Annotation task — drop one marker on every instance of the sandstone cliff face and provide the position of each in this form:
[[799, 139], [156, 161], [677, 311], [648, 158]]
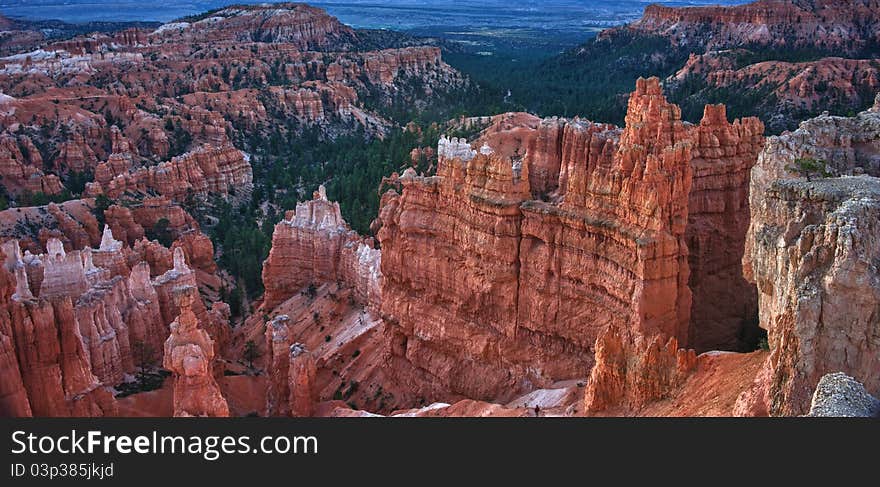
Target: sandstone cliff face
[[13, 395], [143, 317], [278, 343], [222, 170], [630, 198], [788, 23], [80, 321], [812, 251], [302, 373], [189, 353], [53, 360], [491, 287], [314, 245], [494, 292], [215, 321]]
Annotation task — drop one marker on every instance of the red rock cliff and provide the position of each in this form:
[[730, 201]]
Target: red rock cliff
[[222, 170], [495, 293], [314, 245], [790, 23], [500, 273]]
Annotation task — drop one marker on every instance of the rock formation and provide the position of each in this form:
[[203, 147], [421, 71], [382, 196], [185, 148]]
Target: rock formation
[[278, 342], [752, 56], [180, 275], [122, 224], [170, 127], [53, 359], [144, 317], [633, 370], [784, 90], [161, 118], [189, 353], [500, 273], [109, 254], [91, 322], [214, 321], [313, 245], [13, 395], [302, 371], [199, 249], [839, 395], [71, 222], [301, 25], [208, 169], [812, 251], [788, 23], [54, 363], [22, 171], [63, 273]]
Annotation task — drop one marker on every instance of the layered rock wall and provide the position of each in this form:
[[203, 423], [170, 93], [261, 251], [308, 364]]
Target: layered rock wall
[[87, 326], [812, 250], [22, 170], [278, 343], [302, 372], [493, 290], [314, 245], [633, 370], [504, 271], [208, 169], [790, 23]]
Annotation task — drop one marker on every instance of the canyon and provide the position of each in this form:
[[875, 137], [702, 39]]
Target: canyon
[[534, 267], [497, 283], [172, 111], [551, 266]]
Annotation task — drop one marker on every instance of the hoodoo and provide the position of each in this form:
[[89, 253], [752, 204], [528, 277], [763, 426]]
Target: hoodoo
[[189, 353]]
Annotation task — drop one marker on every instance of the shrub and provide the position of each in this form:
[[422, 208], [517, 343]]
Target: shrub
[[808, 167]]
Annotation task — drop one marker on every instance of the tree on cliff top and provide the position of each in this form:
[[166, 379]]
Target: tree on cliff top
[[808, 167]]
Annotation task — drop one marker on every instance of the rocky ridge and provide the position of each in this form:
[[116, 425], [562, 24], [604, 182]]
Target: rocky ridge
[[812, 251]]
